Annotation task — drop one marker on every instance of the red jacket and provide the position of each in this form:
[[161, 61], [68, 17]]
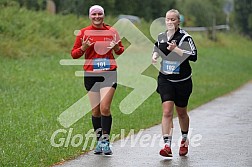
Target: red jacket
[[97, 54]]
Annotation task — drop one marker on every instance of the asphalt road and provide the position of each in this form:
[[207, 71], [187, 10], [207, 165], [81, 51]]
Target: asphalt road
[[220, 136]]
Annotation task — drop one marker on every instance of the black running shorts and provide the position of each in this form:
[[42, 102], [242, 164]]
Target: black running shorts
[[179, 92], [95, 81]]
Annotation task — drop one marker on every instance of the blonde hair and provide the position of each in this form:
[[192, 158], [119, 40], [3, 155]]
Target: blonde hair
[[174, 11]]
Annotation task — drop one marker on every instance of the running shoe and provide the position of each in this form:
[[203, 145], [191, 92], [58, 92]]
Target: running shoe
[[183, 150], [166, 151], [98, 148], [106, 148]]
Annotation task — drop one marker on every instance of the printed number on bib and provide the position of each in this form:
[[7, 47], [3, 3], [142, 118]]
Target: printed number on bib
[[171, 67], [101, 64]]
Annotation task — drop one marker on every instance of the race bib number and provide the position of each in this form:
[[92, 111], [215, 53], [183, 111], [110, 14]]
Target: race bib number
[[171, 67], [101, 64]]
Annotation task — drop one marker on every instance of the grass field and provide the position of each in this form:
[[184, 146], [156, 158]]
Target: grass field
[[36, 89]]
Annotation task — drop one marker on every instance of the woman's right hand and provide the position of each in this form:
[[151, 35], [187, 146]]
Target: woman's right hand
[[154, 57], [86, 43]]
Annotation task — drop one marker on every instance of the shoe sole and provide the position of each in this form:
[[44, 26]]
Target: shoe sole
[[108, 153], [165, 154], [97, 153], [183, 154]]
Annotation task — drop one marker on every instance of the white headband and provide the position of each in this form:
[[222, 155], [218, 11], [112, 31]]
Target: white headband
[[95, 9]]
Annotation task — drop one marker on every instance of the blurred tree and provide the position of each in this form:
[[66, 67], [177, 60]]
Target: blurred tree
[[243, 16], [202, 13], [33, 5], [4, 3], [126, 7], [147, 9]]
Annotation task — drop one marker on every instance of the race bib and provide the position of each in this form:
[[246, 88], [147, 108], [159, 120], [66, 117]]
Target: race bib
[[171, 67], [101, 64]]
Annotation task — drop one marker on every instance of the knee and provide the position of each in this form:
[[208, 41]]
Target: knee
[[167, 113], [105, 110], [182, 114], [96, 112]]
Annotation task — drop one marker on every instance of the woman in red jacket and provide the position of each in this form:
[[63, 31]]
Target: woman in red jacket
[[97, 42]]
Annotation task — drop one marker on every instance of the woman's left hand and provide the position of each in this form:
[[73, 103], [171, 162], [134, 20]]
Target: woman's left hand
[[171, 46], [114, 45]]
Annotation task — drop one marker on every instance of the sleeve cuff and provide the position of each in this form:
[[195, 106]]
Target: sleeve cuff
[[120, 51]]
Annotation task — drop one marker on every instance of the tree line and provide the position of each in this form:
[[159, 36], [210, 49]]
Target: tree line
[[238, 13]]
